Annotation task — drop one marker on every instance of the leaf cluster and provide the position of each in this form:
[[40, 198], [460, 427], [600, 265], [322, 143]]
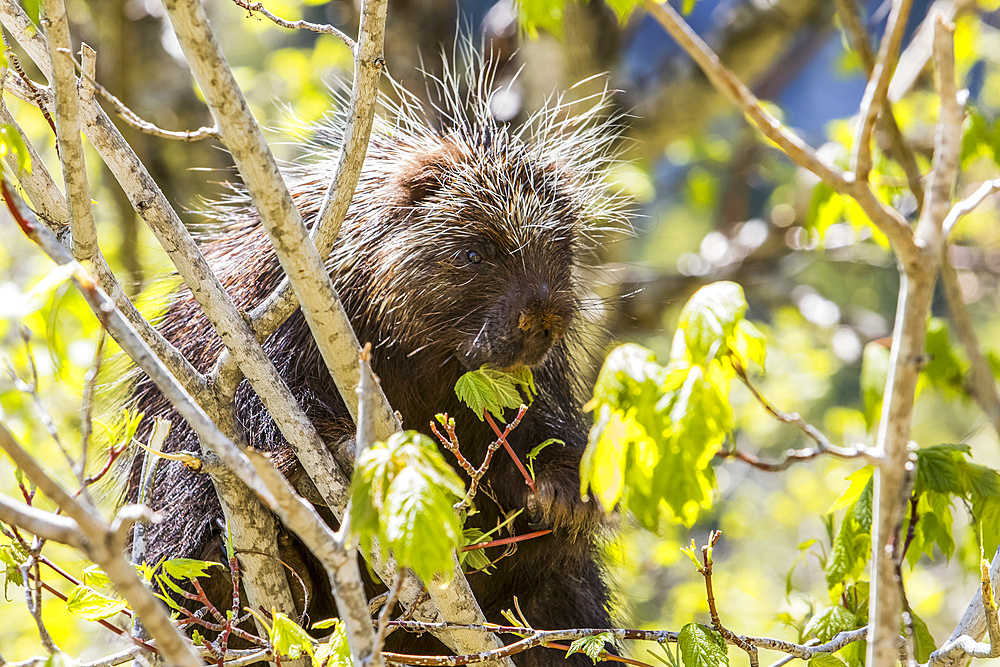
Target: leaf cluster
[[657, 428], [491, 390], [402, 497]]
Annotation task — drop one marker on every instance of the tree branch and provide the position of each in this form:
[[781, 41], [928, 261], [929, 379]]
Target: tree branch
[[887, 219], [878, 87]]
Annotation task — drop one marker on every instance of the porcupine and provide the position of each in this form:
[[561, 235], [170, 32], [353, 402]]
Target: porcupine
[[461, 247]]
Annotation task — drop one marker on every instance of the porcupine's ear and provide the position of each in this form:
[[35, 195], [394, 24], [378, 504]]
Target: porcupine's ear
[[421, 174]]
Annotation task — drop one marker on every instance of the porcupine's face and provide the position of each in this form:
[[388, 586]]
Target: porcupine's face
[[484, 258]]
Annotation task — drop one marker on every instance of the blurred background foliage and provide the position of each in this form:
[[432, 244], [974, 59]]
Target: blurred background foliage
[[712, 202]]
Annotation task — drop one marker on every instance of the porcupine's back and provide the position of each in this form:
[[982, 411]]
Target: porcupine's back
[[461, 247]]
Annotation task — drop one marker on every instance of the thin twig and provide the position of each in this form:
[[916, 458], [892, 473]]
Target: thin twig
[[967, 205], [898, 148], [878, 86], [134, 119], [502, 437], [983, 387], [706, 572], [86, 410], [324, 28], [823, 443]]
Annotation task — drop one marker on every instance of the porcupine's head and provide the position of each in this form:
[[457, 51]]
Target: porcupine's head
[[465, 236]]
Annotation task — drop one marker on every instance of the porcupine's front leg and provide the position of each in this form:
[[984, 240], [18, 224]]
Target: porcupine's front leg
[[557, 503]]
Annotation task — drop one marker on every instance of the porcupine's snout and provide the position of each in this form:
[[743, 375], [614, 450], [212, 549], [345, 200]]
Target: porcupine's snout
[[521, 329]]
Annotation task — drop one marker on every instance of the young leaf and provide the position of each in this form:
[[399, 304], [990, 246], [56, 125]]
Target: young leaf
[[825, 660], [924, 643], [187, 568], [12, 556], [702, 647], [592, 647], [90, 605], [289, 639], [94, 577], [492, 390], [334, 652], [827, 623], [402, 494], [708, 321]]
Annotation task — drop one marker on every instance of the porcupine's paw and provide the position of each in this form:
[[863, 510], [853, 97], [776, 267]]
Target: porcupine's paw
[[561, 508]]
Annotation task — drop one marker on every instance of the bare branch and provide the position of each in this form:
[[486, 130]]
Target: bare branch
[[133, 119], [323, 28], [68, 132], [892, 478], [898, 148], [878, 86], [887, 219], [969, 204], [38, 522]]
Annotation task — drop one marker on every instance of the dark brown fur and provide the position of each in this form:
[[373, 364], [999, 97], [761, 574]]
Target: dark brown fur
[[404, 271]]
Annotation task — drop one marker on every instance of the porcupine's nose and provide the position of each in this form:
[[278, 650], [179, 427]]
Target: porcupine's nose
[[542, 323]]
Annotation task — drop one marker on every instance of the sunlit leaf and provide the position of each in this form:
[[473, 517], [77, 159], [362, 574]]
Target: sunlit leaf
[[93, 606], [592, 647], [702, 647], [289, 639]]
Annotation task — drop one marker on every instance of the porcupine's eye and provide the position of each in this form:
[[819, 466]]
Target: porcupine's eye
[[473, 256]]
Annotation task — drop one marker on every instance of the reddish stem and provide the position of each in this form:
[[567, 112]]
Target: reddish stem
[[507, 540], [113, 628], [510, 450], [604, 655]]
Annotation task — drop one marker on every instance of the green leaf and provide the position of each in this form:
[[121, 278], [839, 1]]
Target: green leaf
[[187, 568], [938, 469], [91, 605], [402, 494], [492, 390], [947, 367], [924, 643], [858, 481], [708, 322], [750, 346], [827, 623], [11, 141], [874, 370], [420, 525], [11, 555], [289, 639], [95, 577], [334, 652], [702, 647], [592, 647], [850, 550], [825, 660]]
